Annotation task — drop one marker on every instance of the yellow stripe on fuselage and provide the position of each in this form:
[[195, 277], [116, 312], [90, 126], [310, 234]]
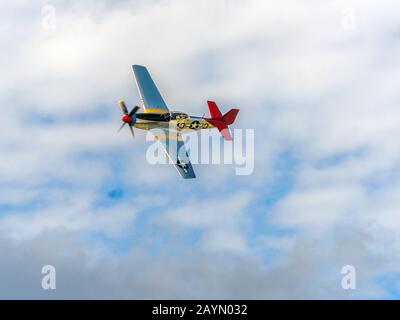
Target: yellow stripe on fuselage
[[147, 110], [169, 137]]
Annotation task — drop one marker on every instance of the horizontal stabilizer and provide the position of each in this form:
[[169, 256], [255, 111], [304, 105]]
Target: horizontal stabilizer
[[230, 116], [222, 127]]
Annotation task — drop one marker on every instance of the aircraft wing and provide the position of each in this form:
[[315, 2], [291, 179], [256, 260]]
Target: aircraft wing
[[151, 97], [174, 147]]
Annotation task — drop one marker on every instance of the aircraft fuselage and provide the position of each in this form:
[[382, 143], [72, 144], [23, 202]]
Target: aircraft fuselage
[[180, 120]]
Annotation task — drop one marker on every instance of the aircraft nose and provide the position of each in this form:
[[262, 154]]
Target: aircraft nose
[[127, 119]]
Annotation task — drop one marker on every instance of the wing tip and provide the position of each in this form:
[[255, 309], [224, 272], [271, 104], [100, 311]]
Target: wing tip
[[188, 178], [138, 66]]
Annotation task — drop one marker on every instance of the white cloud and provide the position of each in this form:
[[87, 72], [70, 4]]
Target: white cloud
[[72, 214], [223, 221], [319, 208]]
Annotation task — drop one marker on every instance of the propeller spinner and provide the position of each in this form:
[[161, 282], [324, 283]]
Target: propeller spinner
[[128, 118]]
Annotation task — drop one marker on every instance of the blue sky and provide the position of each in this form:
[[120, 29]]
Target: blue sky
[[317, 83]]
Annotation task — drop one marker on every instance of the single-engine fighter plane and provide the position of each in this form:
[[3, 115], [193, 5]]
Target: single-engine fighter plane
[[171, 123]]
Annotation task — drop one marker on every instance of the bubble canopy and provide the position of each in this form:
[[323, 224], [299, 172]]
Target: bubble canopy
[[178, 114]]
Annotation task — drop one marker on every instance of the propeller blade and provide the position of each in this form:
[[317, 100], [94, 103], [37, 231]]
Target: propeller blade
[[133, 133], [124, 109], [134, 110], [120, 128]]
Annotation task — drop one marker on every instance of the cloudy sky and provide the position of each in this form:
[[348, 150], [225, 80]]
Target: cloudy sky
[[316, 80]]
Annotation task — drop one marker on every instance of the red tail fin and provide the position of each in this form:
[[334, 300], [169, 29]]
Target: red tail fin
[[214, 110], [221, 122]]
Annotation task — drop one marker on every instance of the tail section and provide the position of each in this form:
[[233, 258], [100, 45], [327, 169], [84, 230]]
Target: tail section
[[214, 110], [230, 116], [221, 122]]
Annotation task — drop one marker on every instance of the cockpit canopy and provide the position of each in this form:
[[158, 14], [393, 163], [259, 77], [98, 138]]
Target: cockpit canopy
[[178, 115]]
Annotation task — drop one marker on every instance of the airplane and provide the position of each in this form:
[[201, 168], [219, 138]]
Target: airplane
[[171, 124]]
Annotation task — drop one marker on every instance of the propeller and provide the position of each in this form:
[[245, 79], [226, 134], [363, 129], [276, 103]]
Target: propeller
[[128, 118]]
